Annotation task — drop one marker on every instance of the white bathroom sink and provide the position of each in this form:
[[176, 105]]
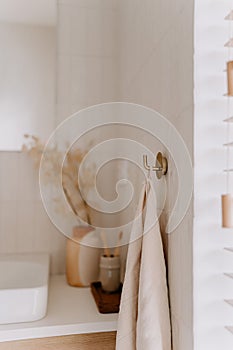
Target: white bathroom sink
[[23, 287]]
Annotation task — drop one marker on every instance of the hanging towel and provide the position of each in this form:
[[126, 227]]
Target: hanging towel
[[144, 320]]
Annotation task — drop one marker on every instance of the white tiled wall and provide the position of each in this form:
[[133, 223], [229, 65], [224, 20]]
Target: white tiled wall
[[87, 71], [87, 54], [156, 70], [24, 224], [211, 287]]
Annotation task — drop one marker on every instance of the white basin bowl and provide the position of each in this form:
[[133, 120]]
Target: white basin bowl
[[23, 287]]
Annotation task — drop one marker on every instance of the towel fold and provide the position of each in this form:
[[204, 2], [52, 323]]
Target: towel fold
[[144, 320]]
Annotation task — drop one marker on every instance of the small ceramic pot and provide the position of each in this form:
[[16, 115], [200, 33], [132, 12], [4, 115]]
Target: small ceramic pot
[[110, 273], [230, 77], [227, 210]]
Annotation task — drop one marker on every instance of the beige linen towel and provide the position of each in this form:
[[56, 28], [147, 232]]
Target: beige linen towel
[[144, 320]]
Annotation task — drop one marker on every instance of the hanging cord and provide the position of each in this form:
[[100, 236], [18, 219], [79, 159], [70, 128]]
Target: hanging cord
[[228, 123]]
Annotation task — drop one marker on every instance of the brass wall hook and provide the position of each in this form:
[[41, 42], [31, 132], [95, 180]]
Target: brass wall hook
[[161, 165]]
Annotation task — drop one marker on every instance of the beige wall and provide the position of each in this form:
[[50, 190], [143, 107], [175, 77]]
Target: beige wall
[[156, 70], [87, 60]]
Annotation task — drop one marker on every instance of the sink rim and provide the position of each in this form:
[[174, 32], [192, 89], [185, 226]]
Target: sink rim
[[24, 290]]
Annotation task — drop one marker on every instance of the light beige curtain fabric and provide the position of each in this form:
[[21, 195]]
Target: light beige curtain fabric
[[144, 320]]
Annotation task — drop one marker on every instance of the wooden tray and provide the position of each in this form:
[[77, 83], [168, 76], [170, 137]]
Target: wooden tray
[[107, 303]]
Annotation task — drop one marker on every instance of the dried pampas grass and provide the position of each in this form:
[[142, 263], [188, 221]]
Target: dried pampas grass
[[70, 182]]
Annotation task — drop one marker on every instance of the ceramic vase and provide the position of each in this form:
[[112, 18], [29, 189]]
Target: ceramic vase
[[82, 259]]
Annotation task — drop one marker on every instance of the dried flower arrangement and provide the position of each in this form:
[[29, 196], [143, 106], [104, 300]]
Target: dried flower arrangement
[[34, 147]]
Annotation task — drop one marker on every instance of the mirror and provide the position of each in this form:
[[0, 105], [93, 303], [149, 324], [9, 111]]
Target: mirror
[[27, 70]]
